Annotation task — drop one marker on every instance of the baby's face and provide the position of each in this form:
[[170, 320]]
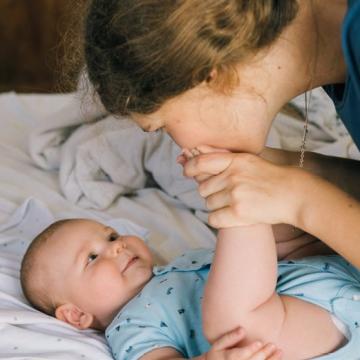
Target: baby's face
[[96, 268]]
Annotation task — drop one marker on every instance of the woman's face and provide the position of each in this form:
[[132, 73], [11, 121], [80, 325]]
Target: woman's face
[[202, 116]]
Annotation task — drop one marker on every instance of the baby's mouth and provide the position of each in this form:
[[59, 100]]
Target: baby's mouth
[[130, 262]]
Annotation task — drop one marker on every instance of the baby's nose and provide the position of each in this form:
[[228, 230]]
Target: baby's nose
[[117, 247]]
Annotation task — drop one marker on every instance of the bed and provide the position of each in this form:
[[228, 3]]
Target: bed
[[58, 162]]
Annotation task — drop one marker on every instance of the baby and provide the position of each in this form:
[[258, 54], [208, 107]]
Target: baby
[[91, 276], [84, 273]]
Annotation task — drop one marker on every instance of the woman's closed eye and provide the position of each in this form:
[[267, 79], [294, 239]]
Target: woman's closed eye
[[155, 130], [159, 130]]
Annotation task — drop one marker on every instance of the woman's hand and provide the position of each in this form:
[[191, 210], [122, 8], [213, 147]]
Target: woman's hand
[[244, 189], [227, 348]]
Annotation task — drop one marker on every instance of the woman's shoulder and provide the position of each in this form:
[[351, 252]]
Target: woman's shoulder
[[346, 96], [351, 24]]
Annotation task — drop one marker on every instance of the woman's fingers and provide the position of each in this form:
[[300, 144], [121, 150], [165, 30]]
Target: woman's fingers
[[225, 218], [213, 184], [219, 200]]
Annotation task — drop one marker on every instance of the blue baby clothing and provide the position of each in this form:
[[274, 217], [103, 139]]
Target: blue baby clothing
[[346, 96], [167, 312], [331, 283]]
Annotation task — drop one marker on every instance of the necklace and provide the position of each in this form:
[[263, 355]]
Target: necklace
[[308, 97], [303, 141], [306, 124]]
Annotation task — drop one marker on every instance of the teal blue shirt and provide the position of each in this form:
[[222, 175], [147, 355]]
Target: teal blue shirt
[[346, 96], [167, 312]]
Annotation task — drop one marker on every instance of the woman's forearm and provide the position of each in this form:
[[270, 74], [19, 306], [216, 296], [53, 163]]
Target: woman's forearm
[[344, 173], [329, 194], [330, 214]]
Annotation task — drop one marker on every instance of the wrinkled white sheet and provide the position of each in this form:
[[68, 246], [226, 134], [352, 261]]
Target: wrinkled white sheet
[[26, 333]]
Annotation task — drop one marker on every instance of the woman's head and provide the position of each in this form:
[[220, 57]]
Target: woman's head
[[176, 64], [140, 53]]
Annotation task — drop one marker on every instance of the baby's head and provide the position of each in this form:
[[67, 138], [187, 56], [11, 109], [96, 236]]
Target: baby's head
[[83, 272]]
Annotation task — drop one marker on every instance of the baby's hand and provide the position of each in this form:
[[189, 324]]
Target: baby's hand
[[226, 348], [186, 155], [189, 154]]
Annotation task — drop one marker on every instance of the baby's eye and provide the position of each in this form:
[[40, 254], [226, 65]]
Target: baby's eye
[[113, 236], [91, 258]]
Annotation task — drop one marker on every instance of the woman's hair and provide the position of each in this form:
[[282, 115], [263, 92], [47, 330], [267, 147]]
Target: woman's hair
[[140, 53]]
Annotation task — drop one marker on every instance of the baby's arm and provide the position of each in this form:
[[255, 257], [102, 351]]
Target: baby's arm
[[242, 278], [241, 292]]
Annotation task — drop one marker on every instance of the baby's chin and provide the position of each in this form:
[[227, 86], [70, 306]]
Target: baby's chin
[[139, 280]]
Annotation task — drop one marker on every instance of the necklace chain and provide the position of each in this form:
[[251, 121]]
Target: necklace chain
[[306, 124], [303, 141]]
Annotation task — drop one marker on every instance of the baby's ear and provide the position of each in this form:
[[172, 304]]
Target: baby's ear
[[74, 316]]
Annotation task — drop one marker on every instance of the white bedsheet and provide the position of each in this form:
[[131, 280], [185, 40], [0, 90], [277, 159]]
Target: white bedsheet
[[175, 224], [25, 333]]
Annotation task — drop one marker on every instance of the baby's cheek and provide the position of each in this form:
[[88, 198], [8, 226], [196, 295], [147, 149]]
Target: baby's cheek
[[105, 280]]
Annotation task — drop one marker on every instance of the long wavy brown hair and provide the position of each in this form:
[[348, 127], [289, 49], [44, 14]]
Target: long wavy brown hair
[[140, 53]]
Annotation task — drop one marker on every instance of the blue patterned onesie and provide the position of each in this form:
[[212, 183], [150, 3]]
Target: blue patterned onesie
[[167, 312]]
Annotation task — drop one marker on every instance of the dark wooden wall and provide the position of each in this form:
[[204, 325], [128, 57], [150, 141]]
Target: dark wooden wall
[[30, 44]]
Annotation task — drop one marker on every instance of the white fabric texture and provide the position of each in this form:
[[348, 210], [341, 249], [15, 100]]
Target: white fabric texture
[[53, 166], [100, 161]]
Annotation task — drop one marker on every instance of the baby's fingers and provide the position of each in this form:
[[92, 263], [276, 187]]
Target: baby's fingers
[[228, 340], [276, 356], [267, 352]]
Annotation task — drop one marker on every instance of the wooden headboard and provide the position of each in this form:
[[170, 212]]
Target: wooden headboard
[[30, 33]]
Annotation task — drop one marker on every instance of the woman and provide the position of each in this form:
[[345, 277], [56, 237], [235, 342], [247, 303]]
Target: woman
[[216, 73]]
